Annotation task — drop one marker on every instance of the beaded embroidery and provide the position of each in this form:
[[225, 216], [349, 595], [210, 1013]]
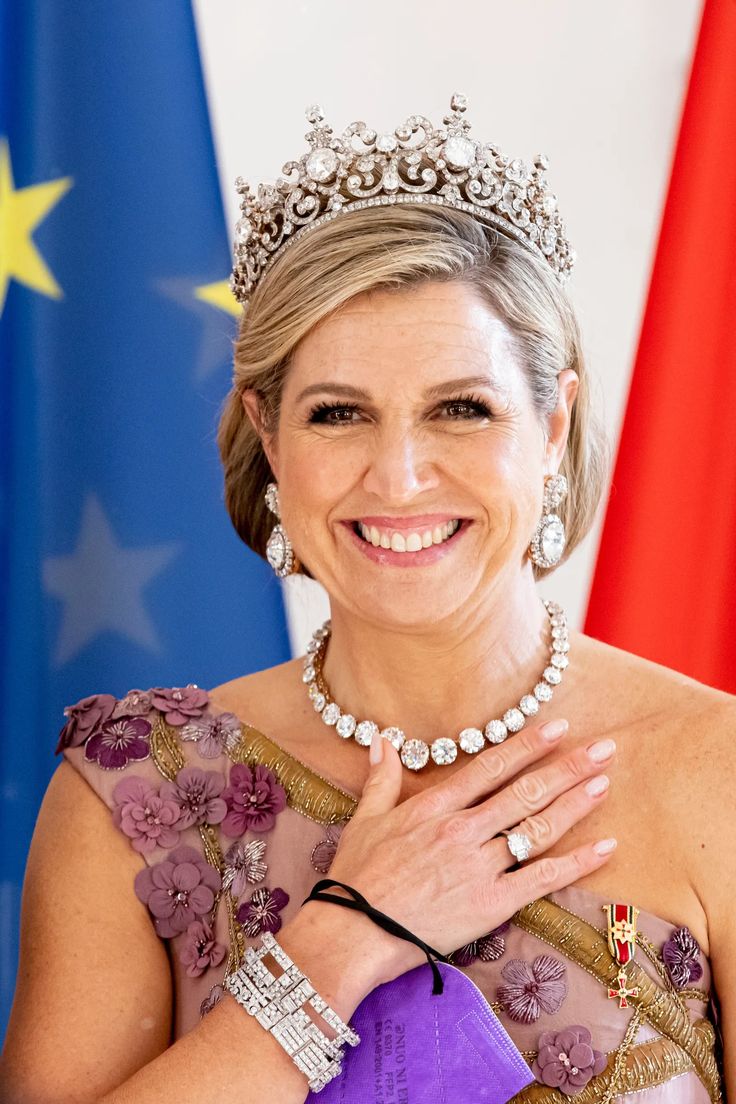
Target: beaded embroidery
[[685, 1045]]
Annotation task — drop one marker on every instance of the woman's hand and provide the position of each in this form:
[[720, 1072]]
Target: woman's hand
[[436, 863]]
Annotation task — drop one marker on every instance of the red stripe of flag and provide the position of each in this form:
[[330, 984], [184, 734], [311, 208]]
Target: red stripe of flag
[[664, 585]]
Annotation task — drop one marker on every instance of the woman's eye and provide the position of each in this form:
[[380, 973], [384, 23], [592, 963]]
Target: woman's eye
[[462, 409], [332, 414], [328, 414]]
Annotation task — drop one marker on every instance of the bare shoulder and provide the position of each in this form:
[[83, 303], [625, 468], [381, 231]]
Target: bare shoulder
[[673, 729], [651, 688], [252, 686], [260, 690], [673, 797], [272, 700]]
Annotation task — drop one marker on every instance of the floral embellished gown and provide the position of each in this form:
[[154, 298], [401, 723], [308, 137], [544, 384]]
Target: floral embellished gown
[[234, 832]]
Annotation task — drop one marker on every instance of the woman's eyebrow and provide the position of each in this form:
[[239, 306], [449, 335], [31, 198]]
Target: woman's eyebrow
[[348, 391], [439, 389], [345, 390]]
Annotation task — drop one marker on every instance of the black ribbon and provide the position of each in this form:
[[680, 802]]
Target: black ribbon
[[361, 905]]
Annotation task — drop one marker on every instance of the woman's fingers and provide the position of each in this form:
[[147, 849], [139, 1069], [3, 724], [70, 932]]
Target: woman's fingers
[[547, 827], [546, 875], [490, 768], [531, 793]]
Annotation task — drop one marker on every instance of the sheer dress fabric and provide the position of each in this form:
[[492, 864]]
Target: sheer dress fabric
[[233, 832]]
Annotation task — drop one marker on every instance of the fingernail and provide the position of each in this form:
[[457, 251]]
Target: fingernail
[[601, 750], [604, 846], [552, 730], [375, 751], [597, 785]]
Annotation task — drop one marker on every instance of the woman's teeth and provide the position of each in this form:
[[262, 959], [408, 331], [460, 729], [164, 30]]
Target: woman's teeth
[[407, 542]]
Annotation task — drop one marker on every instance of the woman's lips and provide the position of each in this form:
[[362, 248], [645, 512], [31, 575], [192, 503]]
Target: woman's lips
[[420, 558], [407, 540]]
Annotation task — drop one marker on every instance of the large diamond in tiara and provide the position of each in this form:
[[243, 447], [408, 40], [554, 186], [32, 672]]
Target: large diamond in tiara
[[419, 163]]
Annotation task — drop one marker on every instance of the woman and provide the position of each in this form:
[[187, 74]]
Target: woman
[[409, 382]]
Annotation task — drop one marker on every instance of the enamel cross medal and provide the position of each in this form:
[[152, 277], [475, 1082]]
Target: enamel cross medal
[[622, 945]]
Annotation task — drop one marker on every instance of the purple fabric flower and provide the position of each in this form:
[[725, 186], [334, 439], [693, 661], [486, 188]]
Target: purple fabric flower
[[680, 954], [488, 948], [533, 988], [254, 799], [213, 735], [214, 997], [179, 703], [261, 913], [566, 1059], [243, 864], [177, 890], [134, 704], [197, 795], [84, 717], [149, 819], [118, 741], [199, 949], [324, 852]]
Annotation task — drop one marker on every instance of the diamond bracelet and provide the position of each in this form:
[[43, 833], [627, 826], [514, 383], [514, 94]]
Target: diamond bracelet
[[277, 1004]]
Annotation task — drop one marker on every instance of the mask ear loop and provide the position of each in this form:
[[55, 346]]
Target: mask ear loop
[[361, 905]]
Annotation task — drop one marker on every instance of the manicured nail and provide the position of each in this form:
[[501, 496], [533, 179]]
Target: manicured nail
[[375, 751], [597, 785], [552, 730], [601, 750], [604, 846]]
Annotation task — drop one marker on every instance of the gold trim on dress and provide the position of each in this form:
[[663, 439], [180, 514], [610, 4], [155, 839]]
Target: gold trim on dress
[[307, 791], [643, 1067], [684, 1046], [663, 1009], [167, 755]]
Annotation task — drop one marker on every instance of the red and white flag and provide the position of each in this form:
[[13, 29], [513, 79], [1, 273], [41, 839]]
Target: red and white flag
[[664, 585]]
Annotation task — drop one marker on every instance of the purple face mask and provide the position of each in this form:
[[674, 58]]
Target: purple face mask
[[420, 1048]]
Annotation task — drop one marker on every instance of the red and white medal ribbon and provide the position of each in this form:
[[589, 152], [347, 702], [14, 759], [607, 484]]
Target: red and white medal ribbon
[[621, 920]]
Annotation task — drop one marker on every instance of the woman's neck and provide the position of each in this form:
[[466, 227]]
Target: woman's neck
[[445, 678]]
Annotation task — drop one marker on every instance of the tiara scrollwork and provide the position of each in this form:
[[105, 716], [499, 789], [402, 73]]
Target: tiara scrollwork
[[418, 163]]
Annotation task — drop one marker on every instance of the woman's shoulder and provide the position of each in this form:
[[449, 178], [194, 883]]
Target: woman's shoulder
[[264, 688], [272, 701], [199, 813], [128, 748], [114, 732], [681, 732], [652, 688]]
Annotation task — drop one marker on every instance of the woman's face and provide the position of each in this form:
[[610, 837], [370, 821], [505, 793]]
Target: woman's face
[[405, 413]]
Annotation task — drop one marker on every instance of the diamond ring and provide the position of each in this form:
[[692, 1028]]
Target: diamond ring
[[519, 845]]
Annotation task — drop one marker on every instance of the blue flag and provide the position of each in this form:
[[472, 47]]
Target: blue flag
[[119, 567]]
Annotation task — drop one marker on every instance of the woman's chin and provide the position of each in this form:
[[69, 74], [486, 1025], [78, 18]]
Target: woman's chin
[[403, 589], [402, 606]]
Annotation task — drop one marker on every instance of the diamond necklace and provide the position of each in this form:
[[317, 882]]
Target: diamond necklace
[[415, 754]]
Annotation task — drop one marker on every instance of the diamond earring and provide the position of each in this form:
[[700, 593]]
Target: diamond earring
[[548, 542], [279, 551]]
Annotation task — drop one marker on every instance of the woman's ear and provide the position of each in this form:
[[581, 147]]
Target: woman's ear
[[559, 419], [252, 406]]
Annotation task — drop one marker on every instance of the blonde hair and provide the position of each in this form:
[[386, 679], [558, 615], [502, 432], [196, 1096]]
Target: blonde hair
[[393, 248]]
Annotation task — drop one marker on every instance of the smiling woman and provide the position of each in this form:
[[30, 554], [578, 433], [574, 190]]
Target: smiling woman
[[411, 404], [473, 305]]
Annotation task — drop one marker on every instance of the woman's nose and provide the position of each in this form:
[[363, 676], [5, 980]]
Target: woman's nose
[[399, 468]]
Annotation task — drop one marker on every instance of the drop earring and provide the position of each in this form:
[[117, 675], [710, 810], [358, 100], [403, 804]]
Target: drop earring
[[279, 551], [548, 542]]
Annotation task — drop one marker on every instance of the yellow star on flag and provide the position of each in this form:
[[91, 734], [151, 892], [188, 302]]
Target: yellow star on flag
[[20, 213], [219, 295]]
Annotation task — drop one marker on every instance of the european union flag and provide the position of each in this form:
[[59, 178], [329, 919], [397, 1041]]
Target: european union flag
[[118, 564]]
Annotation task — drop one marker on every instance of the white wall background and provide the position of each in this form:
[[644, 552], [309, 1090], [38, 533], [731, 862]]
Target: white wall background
[[597, 87]]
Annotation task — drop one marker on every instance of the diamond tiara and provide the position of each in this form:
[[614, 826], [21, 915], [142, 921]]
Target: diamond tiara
[[418, 163]]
